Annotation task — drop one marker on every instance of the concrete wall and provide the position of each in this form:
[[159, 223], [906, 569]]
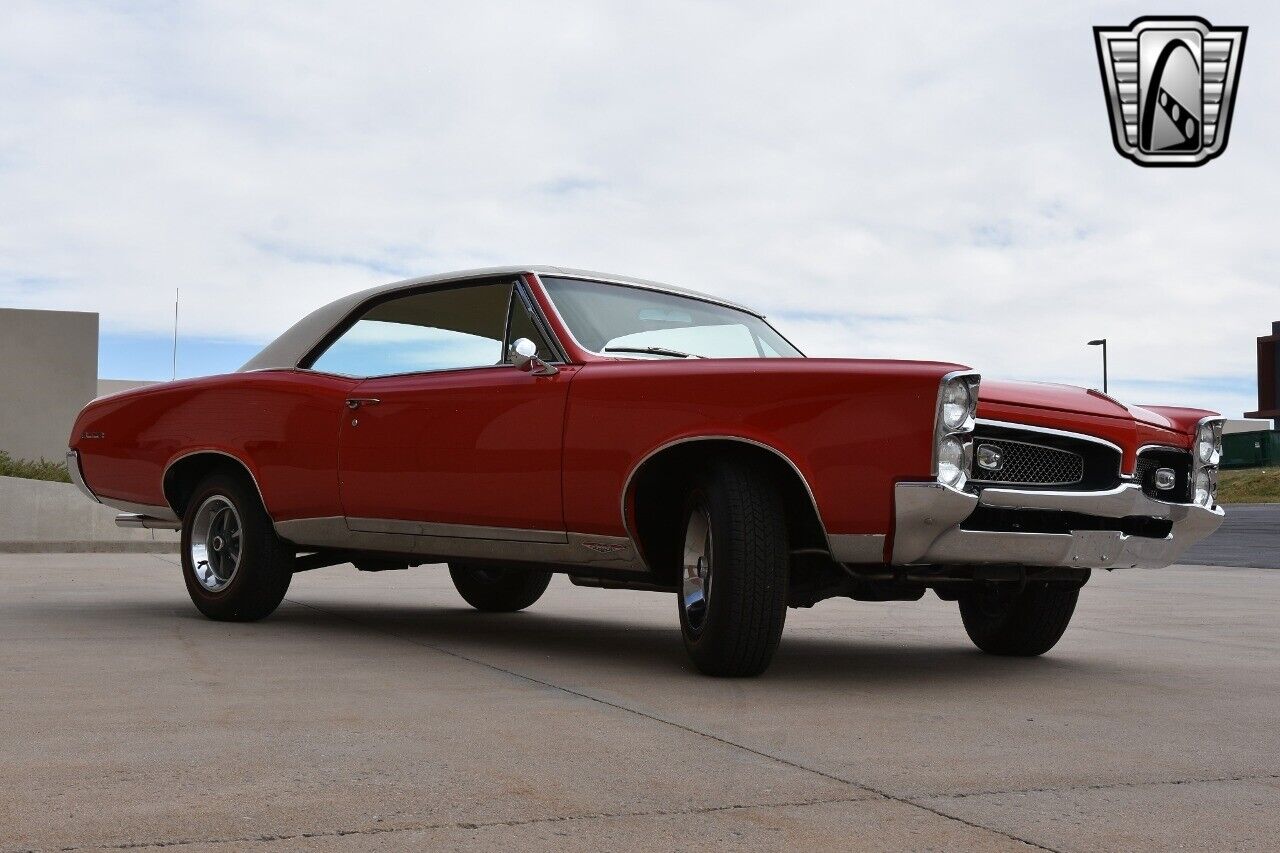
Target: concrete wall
[[115, 386], [48, 371], [39, 516]]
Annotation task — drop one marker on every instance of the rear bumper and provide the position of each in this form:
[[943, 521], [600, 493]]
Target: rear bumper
[[928, 529], [77, 476]]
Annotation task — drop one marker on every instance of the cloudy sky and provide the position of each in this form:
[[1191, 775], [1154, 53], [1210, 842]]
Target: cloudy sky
[[897, 180]]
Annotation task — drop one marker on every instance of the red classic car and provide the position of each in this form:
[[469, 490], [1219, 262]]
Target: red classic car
[[521, 421]]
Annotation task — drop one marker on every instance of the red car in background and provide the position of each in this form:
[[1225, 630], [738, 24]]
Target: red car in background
[[521, 421]]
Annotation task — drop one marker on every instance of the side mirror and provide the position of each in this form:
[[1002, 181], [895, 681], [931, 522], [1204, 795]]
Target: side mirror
[[524, 355]]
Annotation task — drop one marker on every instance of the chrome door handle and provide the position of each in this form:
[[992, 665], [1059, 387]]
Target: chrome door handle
[[356, 402]]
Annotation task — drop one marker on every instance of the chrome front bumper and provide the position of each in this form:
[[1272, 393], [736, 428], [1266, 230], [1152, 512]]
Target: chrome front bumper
[[928, 517]]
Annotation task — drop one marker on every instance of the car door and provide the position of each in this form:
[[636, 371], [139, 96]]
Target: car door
[[445, 436]]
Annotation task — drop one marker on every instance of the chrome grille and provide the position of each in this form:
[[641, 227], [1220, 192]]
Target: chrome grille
[[1030, 464]]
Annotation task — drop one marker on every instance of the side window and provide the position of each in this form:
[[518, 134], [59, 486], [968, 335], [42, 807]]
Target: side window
[[521, 325], [434, 330]]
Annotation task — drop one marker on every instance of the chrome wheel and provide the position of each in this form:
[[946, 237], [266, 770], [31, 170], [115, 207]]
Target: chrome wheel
[[695, 588], [217, 543]]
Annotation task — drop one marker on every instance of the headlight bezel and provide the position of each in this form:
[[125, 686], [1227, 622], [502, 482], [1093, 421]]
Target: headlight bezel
[[1202, 488], [1209, 435], [957, 404], [1204, 468], [958, 384], [952, 461]]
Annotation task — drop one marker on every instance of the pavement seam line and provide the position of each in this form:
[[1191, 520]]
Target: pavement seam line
[[469, 825], [708, 735], [1101, 786]]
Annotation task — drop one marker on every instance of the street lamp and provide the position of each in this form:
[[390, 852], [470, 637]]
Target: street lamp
[[1102, 342]]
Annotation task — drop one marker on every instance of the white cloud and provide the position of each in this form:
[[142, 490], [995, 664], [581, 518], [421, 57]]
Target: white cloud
[[915, 180]]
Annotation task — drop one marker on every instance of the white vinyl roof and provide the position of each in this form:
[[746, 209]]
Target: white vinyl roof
[[290, 348]]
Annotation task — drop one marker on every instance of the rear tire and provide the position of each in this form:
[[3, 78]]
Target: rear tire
[[235, 566], [498, 589], [734, 570], [1023, 624]]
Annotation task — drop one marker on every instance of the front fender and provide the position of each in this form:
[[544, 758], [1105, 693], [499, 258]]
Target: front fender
[[850, 428]]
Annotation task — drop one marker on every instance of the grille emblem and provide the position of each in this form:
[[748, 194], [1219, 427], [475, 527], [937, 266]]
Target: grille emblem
[[1171, 85], [1165, 479], [989, 457]]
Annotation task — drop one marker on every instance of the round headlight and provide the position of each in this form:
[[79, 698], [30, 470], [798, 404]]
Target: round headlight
[[951, 462], [955, 404], [1207, 439], [1204, 488]]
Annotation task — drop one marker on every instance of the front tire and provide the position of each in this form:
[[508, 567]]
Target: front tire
[[235, 566], [498, 589], [734, 571], [1023, 624]]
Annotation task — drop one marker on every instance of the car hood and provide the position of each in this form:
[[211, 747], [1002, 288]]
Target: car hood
[[1066, 398]]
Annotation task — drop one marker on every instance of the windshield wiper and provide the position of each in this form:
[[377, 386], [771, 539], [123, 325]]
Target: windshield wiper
[[672, 353]]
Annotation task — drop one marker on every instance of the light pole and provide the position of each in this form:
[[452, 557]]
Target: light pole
[[1103, 343]]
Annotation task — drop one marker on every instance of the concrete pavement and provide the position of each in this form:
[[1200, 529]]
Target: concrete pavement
[[377, 712]]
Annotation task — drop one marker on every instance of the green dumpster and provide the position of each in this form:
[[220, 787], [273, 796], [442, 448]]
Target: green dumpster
[[1251, 449]]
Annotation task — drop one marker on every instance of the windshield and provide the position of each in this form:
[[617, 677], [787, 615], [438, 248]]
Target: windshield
[[615, 319]]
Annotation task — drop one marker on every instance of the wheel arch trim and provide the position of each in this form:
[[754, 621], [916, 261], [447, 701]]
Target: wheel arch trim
[[629, 483], [212, 451]]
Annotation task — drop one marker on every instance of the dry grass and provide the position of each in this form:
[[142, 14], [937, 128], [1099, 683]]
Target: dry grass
[[1250, 486], [28, 470]]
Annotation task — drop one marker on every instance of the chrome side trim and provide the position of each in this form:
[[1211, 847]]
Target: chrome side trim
[[857, 547], [77, 476], [146, 522], [463, 541], [459, 531], [165, 476], [431, 372], [626, 485]]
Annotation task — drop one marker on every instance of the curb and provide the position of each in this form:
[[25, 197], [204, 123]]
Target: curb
[[142, 547]]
